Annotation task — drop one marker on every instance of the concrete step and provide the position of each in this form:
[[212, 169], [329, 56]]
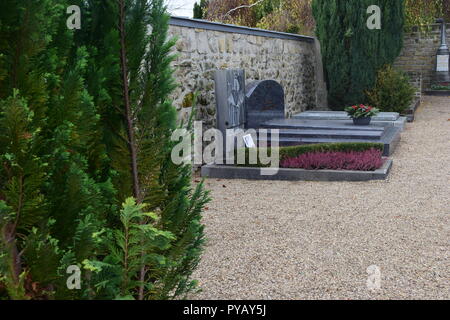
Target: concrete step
[[320, 125], [390, 138], [342, 115], [333, 118], [439, 93], [331, 134], [289, 141]]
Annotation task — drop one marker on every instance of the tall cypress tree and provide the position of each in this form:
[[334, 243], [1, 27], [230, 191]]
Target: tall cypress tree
[[131, 79], [353, 53], [83, 114]]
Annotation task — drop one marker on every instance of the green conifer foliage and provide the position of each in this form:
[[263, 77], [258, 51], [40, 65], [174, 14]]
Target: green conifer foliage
[[165, 186], [22, 48], [82, 114], [352, 53], [25, 219], [200, 8], [100, 36], [22, 205], [132, 245], [53, 191], [73, 140], [139, 119]]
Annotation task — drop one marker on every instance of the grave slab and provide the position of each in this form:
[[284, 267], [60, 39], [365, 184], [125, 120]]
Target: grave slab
[[321, 124], [342, 115], [293, 132], [383, 119], [330, 133]]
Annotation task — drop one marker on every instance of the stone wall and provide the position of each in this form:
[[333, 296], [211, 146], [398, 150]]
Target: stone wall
[[203, 47], [418, 57]]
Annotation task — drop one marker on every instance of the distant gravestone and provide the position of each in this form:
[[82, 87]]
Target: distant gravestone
[[264, 102], [443, 54], [442, 74], [230, 99]]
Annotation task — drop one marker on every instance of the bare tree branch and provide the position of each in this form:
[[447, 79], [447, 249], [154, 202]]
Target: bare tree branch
[[247, 6]]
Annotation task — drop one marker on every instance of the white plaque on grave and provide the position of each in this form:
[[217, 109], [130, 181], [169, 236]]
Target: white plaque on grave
[[442, 64], [249, 143]]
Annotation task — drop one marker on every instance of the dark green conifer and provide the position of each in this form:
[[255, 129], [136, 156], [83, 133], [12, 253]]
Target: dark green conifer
[[352, 53], [199, 9], [84, 113], [134, 75], [50, 152]]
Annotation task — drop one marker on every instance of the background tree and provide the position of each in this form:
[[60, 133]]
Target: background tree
[[293, 16], [200, 9], [352, 53], [227, 12], [424, 12]]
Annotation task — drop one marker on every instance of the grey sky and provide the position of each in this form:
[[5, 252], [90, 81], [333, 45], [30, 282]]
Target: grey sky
[[181, 7]]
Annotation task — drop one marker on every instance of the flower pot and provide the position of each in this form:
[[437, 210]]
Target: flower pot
[[362, 121]]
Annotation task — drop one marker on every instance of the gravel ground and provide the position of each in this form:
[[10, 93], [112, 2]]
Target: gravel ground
[[315, 240]]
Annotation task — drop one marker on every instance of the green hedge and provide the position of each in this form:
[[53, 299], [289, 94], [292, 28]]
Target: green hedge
[[292, 152], [436, 87]]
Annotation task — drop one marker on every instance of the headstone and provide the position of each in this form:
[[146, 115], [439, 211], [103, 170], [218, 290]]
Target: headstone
[[264, 102], [230, 99], [230, 105]]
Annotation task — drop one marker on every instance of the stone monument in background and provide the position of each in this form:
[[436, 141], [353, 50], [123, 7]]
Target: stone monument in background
[[442, 71]]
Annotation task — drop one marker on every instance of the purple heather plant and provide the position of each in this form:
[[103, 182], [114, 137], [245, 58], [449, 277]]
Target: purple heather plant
[[369, 160]]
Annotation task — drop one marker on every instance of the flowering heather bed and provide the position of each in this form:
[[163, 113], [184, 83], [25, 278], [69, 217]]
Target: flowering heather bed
[[369, 160]]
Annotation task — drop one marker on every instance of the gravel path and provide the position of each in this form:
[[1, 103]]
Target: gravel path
[[315, 240]]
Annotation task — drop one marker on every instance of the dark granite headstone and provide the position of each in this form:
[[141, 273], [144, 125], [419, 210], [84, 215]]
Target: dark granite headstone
[[264, 102]]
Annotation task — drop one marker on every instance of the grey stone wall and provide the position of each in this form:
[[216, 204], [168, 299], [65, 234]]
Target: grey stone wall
[[418, 56], [201, 51]]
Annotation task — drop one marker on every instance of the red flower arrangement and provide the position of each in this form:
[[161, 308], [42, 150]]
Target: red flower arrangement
[[361, 111]]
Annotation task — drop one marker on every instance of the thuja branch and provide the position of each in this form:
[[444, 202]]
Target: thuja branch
[[127, 103]]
